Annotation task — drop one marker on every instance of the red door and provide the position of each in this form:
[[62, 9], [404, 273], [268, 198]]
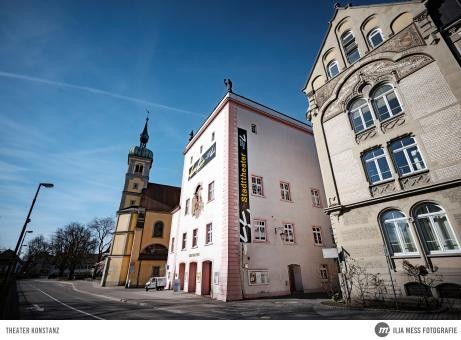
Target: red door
[[206, 278], [182, 270], [192, 277]]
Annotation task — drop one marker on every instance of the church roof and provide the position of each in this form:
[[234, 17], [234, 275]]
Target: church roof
[[141, 151], [160, 197]]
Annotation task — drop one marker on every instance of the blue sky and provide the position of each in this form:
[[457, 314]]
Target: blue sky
[[77, 76]]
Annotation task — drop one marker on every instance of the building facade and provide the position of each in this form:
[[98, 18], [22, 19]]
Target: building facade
[[384, 100], [139, 247], [251, 222]]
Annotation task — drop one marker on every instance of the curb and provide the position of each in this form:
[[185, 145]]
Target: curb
[[438, 311]]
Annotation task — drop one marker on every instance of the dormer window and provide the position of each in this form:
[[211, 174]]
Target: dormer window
[[333, 68], [350, 47], [375, 38]]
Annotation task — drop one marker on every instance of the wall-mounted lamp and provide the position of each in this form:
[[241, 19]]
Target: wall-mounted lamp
[[282, 233]]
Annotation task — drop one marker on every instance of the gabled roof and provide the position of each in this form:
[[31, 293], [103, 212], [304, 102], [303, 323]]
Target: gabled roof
[[160, 197], [348, 7]]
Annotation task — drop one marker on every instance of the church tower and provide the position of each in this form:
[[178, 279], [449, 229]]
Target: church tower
[[139, 247], [140, 160]]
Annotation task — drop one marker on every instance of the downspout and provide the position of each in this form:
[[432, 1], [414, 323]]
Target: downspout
[[139, 250]]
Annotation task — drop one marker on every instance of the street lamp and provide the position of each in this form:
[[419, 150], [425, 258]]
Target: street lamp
[[23, 239], [23, 231]]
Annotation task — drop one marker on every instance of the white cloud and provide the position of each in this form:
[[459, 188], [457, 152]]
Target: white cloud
[[95, 91]]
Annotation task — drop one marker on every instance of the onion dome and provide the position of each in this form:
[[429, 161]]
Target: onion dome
[[142, 150]]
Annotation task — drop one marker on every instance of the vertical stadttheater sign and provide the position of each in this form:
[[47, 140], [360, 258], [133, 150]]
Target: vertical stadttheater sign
[[244, 199]]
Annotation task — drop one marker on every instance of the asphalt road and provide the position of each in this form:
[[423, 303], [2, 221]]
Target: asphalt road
[[55, 300]]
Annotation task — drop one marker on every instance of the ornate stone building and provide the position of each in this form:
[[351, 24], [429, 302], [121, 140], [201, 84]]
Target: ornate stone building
[[384, 99], [139, 248]]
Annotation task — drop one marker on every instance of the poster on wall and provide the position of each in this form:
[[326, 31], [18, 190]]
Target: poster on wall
[[204, 160], [244, 199]]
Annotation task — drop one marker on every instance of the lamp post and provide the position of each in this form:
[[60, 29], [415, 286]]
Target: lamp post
[[23, 231], [23, 239]]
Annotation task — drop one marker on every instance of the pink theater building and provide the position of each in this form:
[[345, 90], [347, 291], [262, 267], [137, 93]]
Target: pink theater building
[[251, 219]]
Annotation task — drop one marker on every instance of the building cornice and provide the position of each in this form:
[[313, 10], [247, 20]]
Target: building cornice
[[422, 190]]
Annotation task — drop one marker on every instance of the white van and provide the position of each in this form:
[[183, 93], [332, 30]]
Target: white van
[[157, 283]]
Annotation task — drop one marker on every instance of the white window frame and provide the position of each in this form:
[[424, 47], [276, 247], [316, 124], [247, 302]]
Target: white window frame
[[407, 157], [436, 231], [384, 96], [285, 191], [289, 230], [209, 233], [359, 110], [345, 44], [330, 66], [187, 207], [260, 275], [195, 238], [375, 159], [398, 232], [317, 234], [260, 186], [372, 33], [211, 191], [258, 235], [316, 200]]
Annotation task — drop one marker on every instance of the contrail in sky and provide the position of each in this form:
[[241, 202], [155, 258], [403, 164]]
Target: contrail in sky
[[95, 91]]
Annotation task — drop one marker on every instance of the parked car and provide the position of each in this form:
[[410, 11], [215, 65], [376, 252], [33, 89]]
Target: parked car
[[157, 283]]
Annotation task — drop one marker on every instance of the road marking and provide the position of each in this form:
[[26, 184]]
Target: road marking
[[66, 305], [36, 308]]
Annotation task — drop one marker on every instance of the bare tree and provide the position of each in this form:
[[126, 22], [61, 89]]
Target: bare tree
[[427, 282], [38, 246], [38, 258], [72, 245], [102, 229]]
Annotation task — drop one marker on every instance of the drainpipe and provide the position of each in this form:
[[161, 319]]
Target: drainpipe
[[427, 260], [386, 253]]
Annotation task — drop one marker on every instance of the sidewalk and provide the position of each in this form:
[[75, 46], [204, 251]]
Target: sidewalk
[[139, 296], [182, 303]]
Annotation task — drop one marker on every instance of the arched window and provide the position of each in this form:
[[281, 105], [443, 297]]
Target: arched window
[[398, 233], [138, 168], [418, 289], [375, 37], [154, 252], [449, 290], [385, 102], [333, 68], [436, 231], [350, 47], [360, 115], [158, 229]]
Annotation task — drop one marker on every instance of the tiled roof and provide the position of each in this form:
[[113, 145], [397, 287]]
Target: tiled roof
[[160, 197]]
